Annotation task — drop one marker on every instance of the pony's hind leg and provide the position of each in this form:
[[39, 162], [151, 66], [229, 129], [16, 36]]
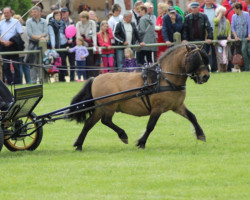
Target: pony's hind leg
[[183, 111], [150, 127], [107, 120], [90, 122]]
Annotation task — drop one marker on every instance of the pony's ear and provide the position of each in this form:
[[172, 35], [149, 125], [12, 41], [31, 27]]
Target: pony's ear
[[189, 48]]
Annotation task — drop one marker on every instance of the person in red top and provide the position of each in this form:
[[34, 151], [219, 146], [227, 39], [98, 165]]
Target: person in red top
[[162, 10], [228, 5], [105, 38]]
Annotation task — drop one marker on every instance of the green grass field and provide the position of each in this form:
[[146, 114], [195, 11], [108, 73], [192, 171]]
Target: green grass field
[[174, 164]]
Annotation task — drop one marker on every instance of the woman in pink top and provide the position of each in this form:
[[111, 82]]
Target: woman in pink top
[[104, 37]]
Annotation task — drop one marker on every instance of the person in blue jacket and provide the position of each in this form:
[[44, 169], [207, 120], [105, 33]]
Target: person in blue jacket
[[172, 22]]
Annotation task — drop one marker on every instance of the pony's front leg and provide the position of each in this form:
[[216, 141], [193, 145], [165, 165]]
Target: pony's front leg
[[183, 111], [150, 127]]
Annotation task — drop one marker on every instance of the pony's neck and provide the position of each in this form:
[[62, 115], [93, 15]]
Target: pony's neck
[[174, 67], [177, 77]]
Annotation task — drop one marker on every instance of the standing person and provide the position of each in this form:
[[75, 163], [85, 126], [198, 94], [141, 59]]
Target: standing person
[[162, 11], [81, 53], [136, 12], [92, 16], [122, 4], [150, 8], [37, 30], [70, 43], [147, 35], [97, 56], [228, 4], [208, 8], [86, 28], [104, 39], [172, 22], [196, 26], [40, 5], [125, 33], [117, 17], [10, 40], [24, 69], [58, 40], [241, 31], [222, 33]]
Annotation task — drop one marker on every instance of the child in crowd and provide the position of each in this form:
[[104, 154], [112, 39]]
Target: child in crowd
[[129, 60], [81, 53], [105, 36]]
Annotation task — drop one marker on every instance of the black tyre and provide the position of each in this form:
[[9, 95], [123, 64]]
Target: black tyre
[[1, 139], [21, 143]]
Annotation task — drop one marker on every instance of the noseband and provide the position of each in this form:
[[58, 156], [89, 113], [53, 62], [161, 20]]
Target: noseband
[[192, 75]]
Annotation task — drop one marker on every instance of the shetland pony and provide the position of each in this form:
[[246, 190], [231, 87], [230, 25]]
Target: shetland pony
[[177, 64]]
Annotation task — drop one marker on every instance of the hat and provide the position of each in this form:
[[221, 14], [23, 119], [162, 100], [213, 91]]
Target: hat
[[194, 5], [171, 9], [64, 9]]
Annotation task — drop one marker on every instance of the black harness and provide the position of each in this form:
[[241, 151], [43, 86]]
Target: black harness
[[149, 89]]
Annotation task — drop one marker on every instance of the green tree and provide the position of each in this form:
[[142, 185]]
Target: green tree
[[19, 6]]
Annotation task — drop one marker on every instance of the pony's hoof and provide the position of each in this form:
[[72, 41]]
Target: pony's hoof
[[124, 141], [140, 145], [202, 138], [79, 148]]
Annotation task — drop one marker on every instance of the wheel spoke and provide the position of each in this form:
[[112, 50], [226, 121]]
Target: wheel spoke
[[26, 120], [24, 143]]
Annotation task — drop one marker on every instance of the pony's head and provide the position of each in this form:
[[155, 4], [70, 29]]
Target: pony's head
[[197, 64]]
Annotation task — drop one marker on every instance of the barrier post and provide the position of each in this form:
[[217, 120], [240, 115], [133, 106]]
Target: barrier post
[[177, 38], [43, 47]]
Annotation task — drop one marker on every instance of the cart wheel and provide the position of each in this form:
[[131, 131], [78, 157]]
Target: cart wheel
[[1, 138], [20, 142]]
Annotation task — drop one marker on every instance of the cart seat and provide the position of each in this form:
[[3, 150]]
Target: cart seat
[[25, 100]]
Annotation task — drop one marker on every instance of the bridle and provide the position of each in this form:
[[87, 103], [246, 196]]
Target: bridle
[[192, 75]]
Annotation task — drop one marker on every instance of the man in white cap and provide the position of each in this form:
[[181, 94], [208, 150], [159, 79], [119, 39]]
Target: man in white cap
[[197, 26]]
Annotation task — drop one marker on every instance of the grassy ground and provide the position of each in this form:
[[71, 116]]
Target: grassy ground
[[173, 166]]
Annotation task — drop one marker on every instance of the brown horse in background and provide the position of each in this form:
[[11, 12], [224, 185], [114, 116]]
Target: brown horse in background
[[177, 64]]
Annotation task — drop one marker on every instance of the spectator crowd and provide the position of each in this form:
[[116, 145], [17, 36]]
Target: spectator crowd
[[203, 20]]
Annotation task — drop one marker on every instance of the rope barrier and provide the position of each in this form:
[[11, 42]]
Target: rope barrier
[[60, 68]]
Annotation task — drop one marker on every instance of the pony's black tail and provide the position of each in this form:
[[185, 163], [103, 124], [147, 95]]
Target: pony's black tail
[[83, 95]]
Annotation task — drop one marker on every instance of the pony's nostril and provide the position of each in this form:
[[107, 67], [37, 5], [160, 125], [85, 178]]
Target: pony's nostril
[[205, 77]]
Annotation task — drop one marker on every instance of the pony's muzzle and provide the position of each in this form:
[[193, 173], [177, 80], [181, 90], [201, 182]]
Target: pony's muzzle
[[205, 78]]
